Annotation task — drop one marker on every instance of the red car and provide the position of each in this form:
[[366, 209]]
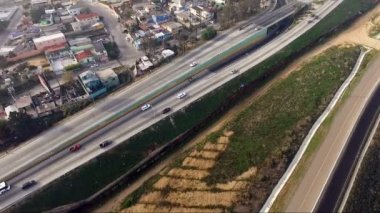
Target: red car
[[75, 148]]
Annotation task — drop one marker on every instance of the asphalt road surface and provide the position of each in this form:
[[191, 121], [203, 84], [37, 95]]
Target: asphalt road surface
[[318, 173], [23, 163], [11, 27], [128, 53], [336, 187]]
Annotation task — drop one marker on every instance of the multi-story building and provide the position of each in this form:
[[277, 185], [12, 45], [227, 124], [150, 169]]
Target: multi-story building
[[74, 10], [92, 84]]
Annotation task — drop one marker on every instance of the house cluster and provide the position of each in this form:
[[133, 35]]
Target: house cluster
[[160, 21], [62, 34]]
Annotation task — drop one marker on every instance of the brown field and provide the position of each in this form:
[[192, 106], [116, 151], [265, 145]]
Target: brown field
[[180, 189]]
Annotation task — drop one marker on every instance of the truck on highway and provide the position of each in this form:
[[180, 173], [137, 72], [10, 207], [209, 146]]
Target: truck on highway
[[4, 187]]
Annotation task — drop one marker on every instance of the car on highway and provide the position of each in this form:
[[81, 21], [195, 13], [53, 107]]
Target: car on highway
[[193, 64], [105, 144], [181, 95], [28, 184], [75, 148], [166, 110], [234, 71], [146, 107], [4, 187]]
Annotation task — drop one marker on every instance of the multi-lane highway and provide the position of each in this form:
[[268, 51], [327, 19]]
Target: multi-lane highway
[[309, 191], [11, 27], [29, 160]]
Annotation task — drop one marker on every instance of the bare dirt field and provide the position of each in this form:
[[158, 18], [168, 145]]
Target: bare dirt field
[[357, 33]]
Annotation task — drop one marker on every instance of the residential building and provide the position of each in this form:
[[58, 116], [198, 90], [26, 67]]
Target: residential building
[[100, 52], [167, 53], [92, 84], [9, 109], [109, 78], [67, 19], [45, 42], [84, 57], [74, 10], [202, 13], [59, 60], [79, 41], [38, 3], [76, 26], [160, 18], [173, 27], [220, 2], [87, 19]]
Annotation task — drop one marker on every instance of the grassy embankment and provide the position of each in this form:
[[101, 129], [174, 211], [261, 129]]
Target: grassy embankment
[[365, 194], [86, 180], [374, 30], [264, 137]]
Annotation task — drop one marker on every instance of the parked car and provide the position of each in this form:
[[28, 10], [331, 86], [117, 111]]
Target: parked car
[[181, 95], [234, 71], [28, 184], [75, 148], [193, 64], [146, 107], [105, 143], [166, 110]]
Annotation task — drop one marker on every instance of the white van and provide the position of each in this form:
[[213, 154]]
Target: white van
[[4, 187]]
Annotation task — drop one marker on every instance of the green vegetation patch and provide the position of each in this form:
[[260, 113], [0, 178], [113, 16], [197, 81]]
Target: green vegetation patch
[[262, 128], [365, 194]]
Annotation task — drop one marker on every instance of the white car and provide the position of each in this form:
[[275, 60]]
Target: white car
[[146, 107], [181, 95], [4, 187], [193, 64]]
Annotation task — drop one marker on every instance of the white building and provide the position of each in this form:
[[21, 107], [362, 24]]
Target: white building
[[109, 78], [44, 42], [9, 109], [87, 19], [74, 10], [201, 12]]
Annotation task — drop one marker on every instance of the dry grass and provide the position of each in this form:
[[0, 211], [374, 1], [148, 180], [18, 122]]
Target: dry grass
[[188, 173], [198, 163]]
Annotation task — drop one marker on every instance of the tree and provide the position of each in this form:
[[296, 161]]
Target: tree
[[36, 14], [3, 25], [22, 125], [4, 131], [209, 33], [68, 76], [112, 50]]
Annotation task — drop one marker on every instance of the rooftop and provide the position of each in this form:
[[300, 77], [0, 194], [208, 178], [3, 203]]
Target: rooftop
[[83, 54], [48, 37], [86, 16], [73, 7], [23, 102]]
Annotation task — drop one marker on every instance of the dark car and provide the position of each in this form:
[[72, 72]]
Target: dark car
[[166, 110], [75, 148], [105, 143], [28, 184]]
